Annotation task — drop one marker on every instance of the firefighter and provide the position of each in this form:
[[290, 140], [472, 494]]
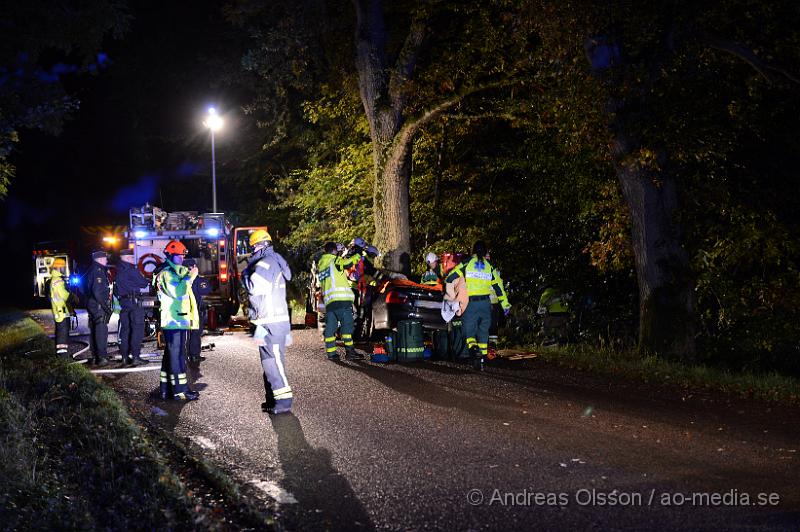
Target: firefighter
[[128, 286], [178, 316], [265, 279], [553, 307], [59, 297], [99, 307], [433, 275], [200, 287], [338, 298], [482, 279]]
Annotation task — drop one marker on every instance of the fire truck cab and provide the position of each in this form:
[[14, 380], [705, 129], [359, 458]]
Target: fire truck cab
[[209, 238], [44, 254]]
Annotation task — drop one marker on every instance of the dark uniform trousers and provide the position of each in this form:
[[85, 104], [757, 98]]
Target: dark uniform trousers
[[173, 366], [98, 332], [131, 329]]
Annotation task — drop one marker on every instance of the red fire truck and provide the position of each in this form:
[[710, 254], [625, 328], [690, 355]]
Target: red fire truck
[[218, 248]]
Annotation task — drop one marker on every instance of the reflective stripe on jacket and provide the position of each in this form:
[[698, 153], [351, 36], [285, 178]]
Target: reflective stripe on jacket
[[178, 306], [333, 279], [59, 294], [482, 279], [265, 280]]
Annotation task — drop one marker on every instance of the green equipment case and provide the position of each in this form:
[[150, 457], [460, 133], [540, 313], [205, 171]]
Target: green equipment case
[[410, 343]]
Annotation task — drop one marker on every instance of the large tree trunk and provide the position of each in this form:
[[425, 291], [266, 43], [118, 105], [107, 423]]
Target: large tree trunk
[[666, 298], [383, 96], [666, 301], [391, 207]]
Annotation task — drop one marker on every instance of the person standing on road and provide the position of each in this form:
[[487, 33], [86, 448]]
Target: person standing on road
[[99, 307], [178, 316], [59, 297], [338, 298], [265, 279], [128, 286], [200, 287], [481, 280]]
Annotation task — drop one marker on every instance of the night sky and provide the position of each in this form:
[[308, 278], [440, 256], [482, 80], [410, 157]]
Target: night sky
[[137, 137]]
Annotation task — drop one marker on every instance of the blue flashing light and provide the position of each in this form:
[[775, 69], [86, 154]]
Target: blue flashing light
[[213, 232], [140, 234], [74, 280]]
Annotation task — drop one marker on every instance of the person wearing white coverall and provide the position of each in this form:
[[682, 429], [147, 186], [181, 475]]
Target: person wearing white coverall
[[265, 280]]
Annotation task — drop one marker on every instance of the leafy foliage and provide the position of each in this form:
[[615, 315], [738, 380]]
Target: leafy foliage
[[43, 42]]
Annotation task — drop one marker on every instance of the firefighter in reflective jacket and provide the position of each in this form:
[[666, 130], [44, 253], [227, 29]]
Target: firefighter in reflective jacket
[[59, 295], [338, 299], [265, 279], [178, 315], [553, 306], [482, 279]]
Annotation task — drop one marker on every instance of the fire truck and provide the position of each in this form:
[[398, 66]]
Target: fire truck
[[44, 253], [220, 250]]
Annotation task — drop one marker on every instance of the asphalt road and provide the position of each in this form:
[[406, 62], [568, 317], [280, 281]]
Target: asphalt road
[[522, 446]]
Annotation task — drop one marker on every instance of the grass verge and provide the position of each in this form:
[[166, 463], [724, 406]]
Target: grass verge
[[70, 456], [771, 387]]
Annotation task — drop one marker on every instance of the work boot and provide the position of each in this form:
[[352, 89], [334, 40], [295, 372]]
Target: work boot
[[101, 362], [138, 362], [477, 358], [351, 354], [282, 406], [334, 357], [188, 395]]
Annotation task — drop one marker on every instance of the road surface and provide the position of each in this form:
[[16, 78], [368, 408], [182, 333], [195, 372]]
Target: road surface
[[522, 446]]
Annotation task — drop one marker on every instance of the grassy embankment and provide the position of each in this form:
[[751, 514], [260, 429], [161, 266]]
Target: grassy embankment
[[772, 387], [70, 456]]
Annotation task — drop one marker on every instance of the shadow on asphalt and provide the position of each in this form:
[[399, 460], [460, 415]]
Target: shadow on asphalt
[[315, 483], [429, 392]]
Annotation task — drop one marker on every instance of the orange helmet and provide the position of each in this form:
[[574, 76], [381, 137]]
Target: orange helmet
[[176, 247], [59, 263]]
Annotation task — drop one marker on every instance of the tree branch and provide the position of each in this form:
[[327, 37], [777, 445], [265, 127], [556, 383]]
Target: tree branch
[[748, 56], [412, 126], [407, 58]]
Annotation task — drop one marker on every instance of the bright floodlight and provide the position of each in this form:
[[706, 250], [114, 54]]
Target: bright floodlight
[[213, 121]]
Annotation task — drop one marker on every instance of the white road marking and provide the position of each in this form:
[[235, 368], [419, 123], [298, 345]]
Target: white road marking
[[151, 367], [202, 441], [280, 495]]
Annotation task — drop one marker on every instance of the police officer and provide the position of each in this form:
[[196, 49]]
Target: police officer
[[59, 297], [98, 305], [432, 276], [128, 286], [481, 280], [338, 298], [178, 316], [265, 280], [200, 287]]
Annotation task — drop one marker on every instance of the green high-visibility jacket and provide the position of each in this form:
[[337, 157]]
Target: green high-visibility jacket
[[552, 301], [482, 280], [333, 280], [178, 305], [59, 294]]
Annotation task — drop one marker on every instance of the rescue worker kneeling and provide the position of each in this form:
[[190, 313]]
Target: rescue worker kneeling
[[265, 280], [179, 314], [59, 297]]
